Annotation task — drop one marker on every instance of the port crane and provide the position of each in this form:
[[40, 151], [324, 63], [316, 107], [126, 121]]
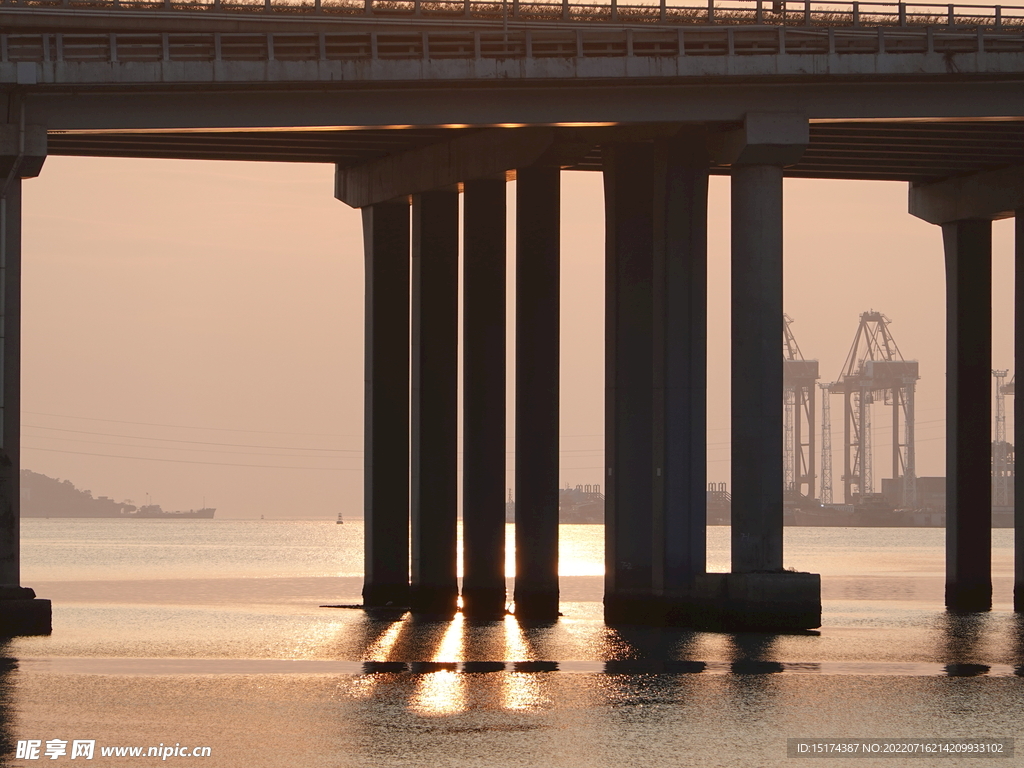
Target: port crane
[[1002, 452], [875, 368], [799, 377]]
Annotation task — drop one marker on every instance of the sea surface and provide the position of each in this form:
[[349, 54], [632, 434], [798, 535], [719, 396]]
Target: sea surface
[[212, 633]]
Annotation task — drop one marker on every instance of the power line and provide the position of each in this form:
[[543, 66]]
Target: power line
[[185, 461], [192, 450], [186, 426], [192, 442]]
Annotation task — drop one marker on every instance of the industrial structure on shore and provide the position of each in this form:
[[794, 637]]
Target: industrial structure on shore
[[875, 372]]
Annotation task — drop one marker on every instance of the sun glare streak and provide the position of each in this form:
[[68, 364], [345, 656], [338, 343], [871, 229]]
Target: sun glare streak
[[444, 692], [380, 649], [520, 690]]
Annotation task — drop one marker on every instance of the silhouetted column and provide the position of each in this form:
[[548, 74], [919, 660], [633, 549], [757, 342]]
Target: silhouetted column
[[680, 359], [756, 368], [10, 380], [537, 369], [22, 153], [483, 399], [629, 379], [435, 327], [1018, 411], [968, 248], [386, 405]]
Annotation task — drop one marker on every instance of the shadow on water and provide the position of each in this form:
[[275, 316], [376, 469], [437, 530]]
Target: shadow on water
[[8, 667], [646, 665], [1017, 643], [753, 652], [963, 635], [649, 650], [753, 682]]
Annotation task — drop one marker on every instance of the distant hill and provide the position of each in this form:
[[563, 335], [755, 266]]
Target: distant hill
[[43, 496]]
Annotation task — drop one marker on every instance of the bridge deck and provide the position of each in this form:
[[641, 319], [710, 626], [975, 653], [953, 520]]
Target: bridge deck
[[894, 91]]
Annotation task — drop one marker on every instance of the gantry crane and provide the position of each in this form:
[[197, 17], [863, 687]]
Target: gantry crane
[[826, 444], [798, 385], [1002, 451], [873, 368]]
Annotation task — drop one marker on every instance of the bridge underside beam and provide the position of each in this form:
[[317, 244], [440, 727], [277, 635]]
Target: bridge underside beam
[[479, 154], [891, 151], [180, 101]]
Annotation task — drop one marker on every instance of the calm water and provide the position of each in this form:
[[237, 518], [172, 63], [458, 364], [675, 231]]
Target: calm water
[[211, 633]]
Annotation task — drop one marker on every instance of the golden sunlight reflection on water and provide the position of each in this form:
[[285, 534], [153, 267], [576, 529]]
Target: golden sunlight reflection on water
[[380, 649], [580, 550], [519, 690], [443, 692]]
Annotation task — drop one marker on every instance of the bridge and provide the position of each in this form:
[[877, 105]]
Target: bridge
[[418, 101]]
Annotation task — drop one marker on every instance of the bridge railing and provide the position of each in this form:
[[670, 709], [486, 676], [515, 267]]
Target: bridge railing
[[374, 44], [807, 13]]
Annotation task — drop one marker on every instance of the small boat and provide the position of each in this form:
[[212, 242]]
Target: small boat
[[340, 521]]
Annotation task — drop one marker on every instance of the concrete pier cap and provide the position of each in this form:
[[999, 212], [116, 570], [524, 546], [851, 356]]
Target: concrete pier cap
[[992, 195], [26, 148], [766, 138]]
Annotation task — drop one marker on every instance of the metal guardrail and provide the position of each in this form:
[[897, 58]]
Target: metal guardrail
[[511, 44], [805, 13]]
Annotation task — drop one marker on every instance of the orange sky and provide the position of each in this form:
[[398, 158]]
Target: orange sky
[[220, 304]]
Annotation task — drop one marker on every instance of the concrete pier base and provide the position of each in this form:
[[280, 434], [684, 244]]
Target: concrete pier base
[[22, 613], [783, 601]]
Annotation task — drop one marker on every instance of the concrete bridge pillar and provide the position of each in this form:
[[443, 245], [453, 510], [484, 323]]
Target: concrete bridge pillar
[[538, 218], [22, 152], [968, 250], [757, 153], [629, 382], [434, 465], [483, 399], [964, 208], [757, 475], [386, 405], [679, 333], [758, 594]]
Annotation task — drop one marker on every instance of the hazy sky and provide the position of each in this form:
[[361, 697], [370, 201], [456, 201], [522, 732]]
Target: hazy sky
[[207, 315]]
